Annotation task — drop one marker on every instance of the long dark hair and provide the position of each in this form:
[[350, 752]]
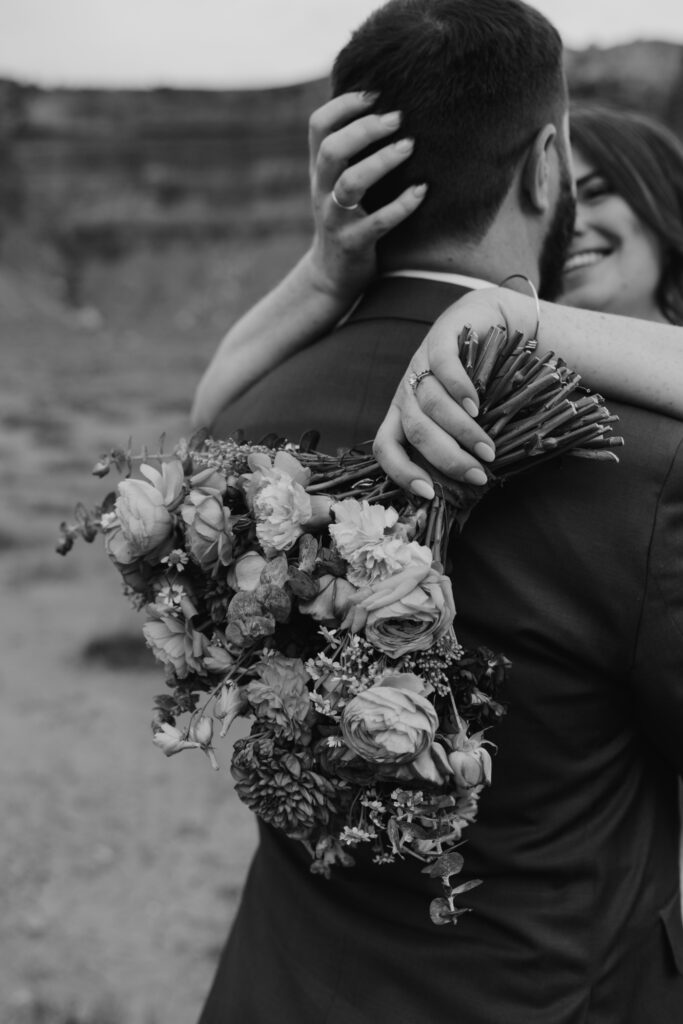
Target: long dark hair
[[643, 162]]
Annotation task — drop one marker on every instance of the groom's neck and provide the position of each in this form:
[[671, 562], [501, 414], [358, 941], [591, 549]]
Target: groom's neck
[[492, 258]]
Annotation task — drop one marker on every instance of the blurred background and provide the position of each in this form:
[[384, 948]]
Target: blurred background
[[153, 183]]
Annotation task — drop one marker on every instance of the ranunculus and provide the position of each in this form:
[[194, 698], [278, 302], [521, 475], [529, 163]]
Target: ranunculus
[[388, 725], [142, 510], [208, 530], [174, 642], [332, 601], [275, 492]]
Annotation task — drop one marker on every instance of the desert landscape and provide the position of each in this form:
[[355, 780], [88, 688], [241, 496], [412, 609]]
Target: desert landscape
[[133, 229]]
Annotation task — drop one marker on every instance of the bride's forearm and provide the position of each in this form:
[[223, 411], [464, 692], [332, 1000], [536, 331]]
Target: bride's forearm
[[301, 308], [634, 361]]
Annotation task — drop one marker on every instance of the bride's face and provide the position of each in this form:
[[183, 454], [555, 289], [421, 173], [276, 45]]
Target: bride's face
[[615, 261]]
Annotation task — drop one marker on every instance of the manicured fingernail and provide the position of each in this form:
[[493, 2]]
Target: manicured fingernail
[[470, 407], [420, 190], [369, 97], [392, 119], [422, 489], [476, 476], [484, 451], [405, 145]]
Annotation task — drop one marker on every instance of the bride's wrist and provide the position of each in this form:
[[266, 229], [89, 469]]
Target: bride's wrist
[[330, 286]]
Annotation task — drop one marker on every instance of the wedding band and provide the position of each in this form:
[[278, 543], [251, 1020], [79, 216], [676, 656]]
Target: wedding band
[[415, 378], [343, 206]]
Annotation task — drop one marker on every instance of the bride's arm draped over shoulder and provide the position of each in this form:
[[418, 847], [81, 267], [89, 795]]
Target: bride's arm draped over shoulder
[[634, 361], [339, 264]]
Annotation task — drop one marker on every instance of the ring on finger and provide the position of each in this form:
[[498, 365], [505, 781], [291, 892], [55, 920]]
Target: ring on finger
[[415, 379], [343, 206]]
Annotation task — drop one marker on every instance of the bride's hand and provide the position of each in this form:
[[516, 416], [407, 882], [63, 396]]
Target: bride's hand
[[437, 415], [343, 250]]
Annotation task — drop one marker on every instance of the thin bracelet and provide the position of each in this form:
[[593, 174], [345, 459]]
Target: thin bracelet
[[534, 295]]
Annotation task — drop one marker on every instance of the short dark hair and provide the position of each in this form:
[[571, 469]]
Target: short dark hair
[[643, 162], [475, 80]]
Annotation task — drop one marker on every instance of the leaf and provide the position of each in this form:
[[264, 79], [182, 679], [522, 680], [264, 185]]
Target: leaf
[[302, 584], [466, 886], [446, 865], [441, 911]]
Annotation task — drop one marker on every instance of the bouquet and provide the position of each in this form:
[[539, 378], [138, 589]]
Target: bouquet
[[306, 593]]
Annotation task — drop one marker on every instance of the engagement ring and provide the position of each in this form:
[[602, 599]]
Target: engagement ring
[[415, 378]]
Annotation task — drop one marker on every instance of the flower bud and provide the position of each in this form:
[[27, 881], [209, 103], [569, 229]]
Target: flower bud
[[169, 739]]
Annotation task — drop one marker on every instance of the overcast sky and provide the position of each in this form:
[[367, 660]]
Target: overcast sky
[[231, 43]]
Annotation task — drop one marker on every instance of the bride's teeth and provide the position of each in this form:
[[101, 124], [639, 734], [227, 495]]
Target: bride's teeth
[[583, 259]]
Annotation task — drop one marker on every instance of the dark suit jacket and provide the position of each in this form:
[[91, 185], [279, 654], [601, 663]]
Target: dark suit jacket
[[575, 571]]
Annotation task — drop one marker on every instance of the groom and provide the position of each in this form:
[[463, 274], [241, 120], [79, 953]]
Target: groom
[[571, 571]]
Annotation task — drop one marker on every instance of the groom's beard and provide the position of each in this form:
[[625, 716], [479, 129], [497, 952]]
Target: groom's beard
[[557, 241]]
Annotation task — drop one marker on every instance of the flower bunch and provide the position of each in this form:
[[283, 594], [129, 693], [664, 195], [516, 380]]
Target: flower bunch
[[305, 593]]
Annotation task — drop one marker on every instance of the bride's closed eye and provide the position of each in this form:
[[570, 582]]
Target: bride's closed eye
[[593, 187]]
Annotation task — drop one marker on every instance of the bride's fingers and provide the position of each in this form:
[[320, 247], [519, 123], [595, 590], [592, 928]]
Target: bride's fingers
[[389, 448], [438, 447], [354, 182], [334, 114], [364, 232], [338, 148], [438, 406]]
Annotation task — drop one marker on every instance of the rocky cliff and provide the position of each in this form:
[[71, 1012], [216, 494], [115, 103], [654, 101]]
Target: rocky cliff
[[99, 173]]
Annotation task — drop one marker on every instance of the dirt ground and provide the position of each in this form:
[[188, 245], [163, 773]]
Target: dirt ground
[[121, 869]]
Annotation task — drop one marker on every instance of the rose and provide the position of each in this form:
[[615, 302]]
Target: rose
[[332, 601], [208, 530], [407, 611], [144, 521], [388, 725], [174, 642], [275, 492], [414, 622]]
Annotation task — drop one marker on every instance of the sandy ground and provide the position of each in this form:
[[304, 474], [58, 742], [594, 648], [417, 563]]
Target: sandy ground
[[121, 869]]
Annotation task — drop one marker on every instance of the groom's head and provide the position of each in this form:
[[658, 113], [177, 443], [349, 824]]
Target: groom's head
[[482, 90]]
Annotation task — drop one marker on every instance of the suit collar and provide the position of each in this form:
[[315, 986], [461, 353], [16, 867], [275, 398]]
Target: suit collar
[[406, 298]]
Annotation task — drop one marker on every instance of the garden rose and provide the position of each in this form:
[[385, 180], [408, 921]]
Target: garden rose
[[208, 530], [413, 622], [407, 611], [388, 725], [145, 523]]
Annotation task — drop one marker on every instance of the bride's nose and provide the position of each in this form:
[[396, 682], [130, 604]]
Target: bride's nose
[[579, 220]]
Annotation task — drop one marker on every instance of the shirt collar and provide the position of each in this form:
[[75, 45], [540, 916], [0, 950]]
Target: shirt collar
[[440, 275]]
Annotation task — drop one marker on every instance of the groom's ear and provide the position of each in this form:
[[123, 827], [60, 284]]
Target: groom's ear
[[536, 172]]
